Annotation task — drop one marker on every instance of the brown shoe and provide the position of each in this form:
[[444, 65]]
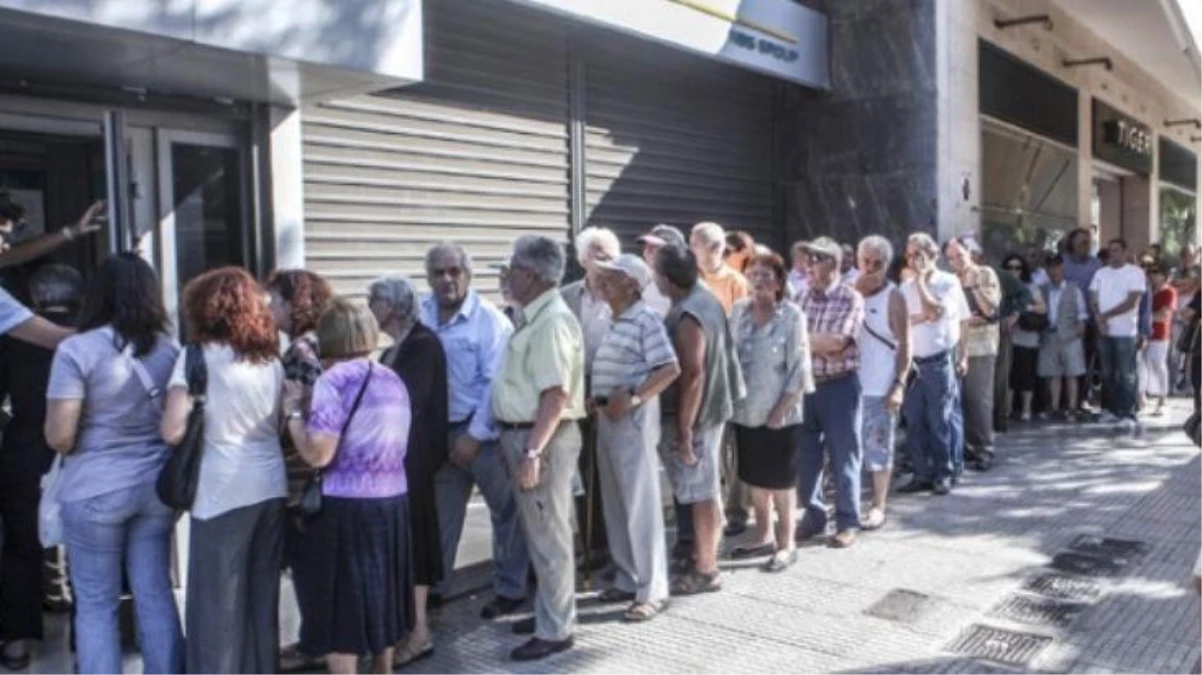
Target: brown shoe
[[843, 539]]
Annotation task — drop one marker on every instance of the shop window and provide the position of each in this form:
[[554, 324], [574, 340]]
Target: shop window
[[1178, 220], [1029, 191]]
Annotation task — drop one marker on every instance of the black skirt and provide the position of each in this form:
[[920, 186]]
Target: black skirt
[[424, 533], [354, 556], [1024, 369], [768, 458]]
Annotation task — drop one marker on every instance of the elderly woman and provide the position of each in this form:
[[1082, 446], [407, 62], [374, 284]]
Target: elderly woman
[[634, 363], [418, 358], [774, 353], [355, 552], [1025, 343]]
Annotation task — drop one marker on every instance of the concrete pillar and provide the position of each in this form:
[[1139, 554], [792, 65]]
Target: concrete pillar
[[287, 187], [1085, 160], [1137, 212], [1110, 212]]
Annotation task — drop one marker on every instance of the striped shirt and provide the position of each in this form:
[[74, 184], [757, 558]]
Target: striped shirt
[[839, 310], [635, 344]]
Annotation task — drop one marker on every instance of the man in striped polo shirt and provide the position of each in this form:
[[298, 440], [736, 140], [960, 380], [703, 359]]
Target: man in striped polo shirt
[[633, 364]]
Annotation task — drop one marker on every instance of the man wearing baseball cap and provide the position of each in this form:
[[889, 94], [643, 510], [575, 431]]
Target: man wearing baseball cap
[[835, 312], [659, 237], [633, 364]]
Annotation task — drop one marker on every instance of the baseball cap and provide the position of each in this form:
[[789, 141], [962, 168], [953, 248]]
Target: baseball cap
[[631, 265], [662, 235], [825, 246]]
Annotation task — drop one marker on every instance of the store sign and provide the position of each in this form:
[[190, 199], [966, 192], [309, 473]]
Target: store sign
[[776, 37], [1121, 139]]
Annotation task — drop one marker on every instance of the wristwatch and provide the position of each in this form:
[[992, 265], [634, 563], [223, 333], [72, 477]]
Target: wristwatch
[[531, 453], [635, 400], [295, 415]]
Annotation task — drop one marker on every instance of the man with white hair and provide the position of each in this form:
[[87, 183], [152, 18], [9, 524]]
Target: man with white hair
[[659, 237], [884, 367], [593, 245], [936, 306], [537, 398]]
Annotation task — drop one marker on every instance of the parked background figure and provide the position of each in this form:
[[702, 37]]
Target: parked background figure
[[417, 357], [473, 333], [982, 290], [593, 245], [740, 249], [1024, 342], [773, 345], [355, 553], [1061, 354], [298, 298], [1115, 294], [652, 242], [1156, 354], [104, 405], [634, 364], [885, 354], [231, 612]]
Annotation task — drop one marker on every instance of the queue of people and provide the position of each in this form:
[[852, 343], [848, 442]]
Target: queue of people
[[745, 378]]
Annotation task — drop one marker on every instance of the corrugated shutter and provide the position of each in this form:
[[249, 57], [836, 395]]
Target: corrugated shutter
[[477, 153], [674, 138]]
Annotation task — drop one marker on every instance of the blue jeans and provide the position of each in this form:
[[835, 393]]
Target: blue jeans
[[1117, 356], [957, 428], [934, 428], [453, 489], [128, 530], [833, 422]]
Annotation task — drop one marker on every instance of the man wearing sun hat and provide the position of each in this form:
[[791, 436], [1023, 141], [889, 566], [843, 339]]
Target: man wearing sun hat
[[633, 364], [659, 237]]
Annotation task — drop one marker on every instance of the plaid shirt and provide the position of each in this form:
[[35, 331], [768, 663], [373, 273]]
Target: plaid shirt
[[839, 310]]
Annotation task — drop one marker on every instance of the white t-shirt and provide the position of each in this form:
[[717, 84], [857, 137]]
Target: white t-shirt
[[1113, 286], [242, 463], [932, 337]]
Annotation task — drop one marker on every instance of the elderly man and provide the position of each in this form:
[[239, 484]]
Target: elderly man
[[983, 292], [473, 333], [696, 409], [708, 244], [832, 413], [1080, 266], [937, 307], [538, 396], [1061, 355], [593, 245], [652, 242], [634, 363]]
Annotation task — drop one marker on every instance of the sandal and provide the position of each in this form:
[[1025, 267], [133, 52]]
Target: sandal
[[409, 654], [781, 561], [745, 551], [614, 595], [641, 612], [293, 660], [875, 520], [696, 582]]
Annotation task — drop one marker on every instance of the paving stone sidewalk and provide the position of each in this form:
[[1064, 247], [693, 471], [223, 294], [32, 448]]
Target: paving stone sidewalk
[[959, 566]]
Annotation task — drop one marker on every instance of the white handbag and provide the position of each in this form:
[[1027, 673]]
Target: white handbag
[[50, 512]]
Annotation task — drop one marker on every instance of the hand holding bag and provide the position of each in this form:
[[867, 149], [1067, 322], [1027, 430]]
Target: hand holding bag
[[310, 499], [177, 482]]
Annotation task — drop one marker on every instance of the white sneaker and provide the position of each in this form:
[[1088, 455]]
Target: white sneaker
[[1107, 418], [1126, 424]]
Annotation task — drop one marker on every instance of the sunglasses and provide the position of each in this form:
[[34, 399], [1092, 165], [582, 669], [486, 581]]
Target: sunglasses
[[816, 258], [1014, 268]]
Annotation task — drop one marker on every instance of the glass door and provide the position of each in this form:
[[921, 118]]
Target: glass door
[[203, 207]]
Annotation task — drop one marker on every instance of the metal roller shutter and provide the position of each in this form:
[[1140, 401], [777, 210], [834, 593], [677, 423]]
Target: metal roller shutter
[[477, 153], [673, 138]]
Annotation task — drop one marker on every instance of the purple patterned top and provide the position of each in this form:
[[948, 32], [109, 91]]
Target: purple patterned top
[[370, 461]]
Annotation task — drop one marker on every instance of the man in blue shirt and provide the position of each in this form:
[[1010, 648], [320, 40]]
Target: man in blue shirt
[[474, 334], [1080, 265]]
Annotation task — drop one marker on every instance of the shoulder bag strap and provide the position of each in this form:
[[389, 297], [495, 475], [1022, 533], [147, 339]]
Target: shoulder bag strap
[[351, 415], [139, 368]]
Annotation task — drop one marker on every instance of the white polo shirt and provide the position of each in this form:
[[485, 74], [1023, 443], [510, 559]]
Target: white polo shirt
[[932, 337]]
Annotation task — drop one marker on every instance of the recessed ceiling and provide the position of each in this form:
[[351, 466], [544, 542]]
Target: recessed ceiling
[[1143, 31]]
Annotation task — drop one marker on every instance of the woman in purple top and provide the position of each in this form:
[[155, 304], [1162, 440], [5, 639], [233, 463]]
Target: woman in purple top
[[354, 555]]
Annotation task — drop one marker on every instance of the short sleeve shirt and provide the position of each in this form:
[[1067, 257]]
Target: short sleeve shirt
[[728, 285], [12, 313], [1113, 286], [930, 338], [118, 444], [838, 310], [635, 344], [243, 463], [546, 351], [984, 340], [370, 460], [1165, 298], [775, 359]]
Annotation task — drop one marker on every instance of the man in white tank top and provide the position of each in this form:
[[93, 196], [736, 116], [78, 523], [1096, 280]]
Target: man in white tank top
[[884, 364], [936, 305]]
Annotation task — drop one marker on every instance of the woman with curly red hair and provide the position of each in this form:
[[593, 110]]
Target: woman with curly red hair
[[237, 529]]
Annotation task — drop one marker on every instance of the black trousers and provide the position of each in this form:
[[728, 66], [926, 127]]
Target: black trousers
[[21, 561], [590, 515]]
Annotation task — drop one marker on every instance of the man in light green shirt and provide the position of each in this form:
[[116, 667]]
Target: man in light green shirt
[[537, 396]]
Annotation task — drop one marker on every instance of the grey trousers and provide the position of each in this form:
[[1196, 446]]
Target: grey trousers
[[546, 514], [1001, 381], [453, 489], [628, 461], [978, 400], [232, 610]]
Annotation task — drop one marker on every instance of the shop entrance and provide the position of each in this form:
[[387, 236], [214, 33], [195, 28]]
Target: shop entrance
[[177, 186]]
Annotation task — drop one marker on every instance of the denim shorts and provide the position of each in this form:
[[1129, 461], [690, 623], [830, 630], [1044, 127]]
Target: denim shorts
[[701, 481], [877, 435]]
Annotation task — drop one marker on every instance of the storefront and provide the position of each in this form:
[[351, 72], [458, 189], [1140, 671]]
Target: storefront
[[534, 118], [1178, 197], [1122, 167]]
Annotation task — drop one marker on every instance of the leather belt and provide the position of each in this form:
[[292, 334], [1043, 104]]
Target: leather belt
[[515, 426], [941, 356]]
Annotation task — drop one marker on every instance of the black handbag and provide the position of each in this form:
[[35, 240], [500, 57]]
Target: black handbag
[[309, 504], [1033, 322], [176, 485]]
